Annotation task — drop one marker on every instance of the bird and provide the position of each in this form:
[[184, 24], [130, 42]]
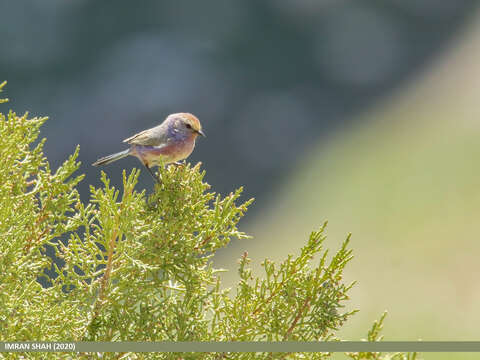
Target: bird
[[171, 141]]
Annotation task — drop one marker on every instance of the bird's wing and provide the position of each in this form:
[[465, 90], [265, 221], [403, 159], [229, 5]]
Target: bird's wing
[[151, 137], [142, 138]]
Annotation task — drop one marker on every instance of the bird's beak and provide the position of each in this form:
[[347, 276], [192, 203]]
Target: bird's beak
[[200, 132]]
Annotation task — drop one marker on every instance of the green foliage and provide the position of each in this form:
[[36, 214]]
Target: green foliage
[[374, 335], [138, 267], [296, 301]]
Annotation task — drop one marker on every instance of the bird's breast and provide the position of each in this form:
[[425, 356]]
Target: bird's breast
[[166, 154]]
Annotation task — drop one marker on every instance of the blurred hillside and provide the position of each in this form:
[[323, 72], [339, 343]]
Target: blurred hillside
[[404, 179]]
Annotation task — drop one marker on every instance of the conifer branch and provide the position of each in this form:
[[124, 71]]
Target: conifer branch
[[136, 268]]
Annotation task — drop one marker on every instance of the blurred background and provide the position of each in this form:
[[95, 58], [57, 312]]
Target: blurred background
[[360, 112]]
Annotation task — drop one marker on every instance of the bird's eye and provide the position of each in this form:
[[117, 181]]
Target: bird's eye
[[188, 126]]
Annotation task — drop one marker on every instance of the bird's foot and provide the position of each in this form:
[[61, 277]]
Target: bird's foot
[[178, 163]]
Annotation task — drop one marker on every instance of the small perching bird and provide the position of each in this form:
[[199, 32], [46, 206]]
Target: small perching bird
[[171, 141]]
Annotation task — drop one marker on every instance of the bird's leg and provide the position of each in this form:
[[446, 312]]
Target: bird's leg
[[151, 173]]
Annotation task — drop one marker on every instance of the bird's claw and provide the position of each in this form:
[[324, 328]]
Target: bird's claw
[[178, 163]]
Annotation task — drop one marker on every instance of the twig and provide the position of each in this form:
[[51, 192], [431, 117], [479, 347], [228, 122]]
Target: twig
[[272, 294], [202, 244], [306, 305], [108, 269], [105, 278], [43, 216]]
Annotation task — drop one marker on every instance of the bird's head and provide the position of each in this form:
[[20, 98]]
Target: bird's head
[[186, 123]]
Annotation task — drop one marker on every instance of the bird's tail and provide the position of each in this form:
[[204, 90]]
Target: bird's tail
[[111, 158]]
